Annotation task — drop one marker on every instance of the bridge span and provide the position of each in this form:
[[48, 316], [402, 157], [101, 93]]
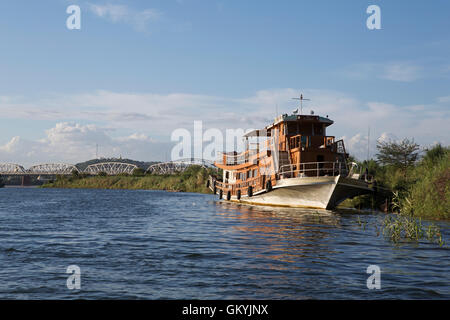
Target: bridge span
[[13, 169], [108, 168], [177, 166]]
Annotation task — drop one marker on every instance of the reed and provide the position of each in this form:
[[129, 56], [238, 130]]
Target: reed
[[405, 226]]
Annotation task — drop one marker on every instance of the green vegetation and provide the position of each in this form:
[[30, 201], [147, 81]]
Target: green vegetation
[[405, 226], [192, 180], [402, 155], [417, 188]]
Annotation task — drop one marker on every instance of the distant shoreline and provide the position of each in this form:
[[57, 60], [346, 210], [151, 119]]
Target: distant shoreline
[[18, 186], [192, 180]]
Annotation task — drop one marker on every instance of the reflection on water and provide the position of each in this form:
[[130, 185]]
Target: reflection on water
[[154, 244], [289, 233]]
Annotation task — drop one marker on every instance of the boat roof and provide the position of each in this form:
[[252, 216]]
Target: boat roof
[[301, 118], [291, 118], [257, 133]]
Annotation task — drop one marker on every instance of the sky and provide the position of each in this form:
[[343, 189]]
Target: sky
[[138, 70]]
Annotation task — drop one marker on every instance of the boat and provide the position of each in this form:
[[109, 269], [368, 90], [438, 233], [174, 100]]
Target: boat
[[292, 163]]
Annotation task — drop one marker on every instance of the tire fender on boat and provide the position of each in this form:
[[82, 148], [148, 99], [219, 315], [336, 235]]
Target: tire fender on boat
[[269, 185]]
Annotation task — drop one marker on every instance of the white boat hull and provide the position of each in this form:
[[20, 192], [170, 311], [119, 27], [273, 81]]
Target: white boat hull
[[311, 192]]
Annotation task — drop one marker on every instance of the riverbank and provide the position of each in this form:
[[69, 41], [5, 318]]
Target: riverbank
[[421, 190], [192, 180]]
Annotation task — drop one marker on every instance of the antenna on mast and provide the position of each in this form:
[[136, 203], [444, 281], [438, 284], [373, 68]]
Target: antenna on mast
[[301, 102]]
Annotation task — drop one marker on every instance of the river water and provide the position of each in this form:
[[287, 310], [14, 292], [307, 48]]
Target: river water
[[136, 244]]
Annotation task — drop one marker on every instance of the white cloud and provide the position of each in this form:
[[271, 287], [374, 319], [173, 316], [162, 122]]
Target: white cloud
[[118, 13], [72, 143], [404, 72], [444, 99], [156, 115], [11, 146], [394, 71]]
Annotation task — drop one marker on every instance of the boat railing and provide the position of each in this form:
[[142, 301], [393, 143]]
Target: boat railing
[[308, 169], [234, 158], [255, 182], [313, 169]]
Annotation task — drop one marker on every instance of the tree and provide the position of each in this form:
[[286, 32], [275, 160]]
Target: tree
[[75, 174], [138, 172], [435, 153], [402, 154]]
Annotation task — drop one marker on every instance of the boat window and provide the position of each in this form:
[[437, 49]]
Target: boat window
[[304, 140], [318, 130], [292, 129]]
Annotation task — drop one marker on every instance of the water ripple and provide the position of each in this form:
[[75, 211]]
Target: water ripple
[[160, 245]]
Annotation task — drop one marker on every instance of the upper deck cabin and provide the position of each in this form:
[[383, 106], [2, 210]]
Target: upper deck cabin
[[302, 137]]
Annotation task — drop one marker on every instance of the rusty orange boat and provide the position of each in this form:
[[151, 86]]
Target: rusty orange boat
[[291, 162]]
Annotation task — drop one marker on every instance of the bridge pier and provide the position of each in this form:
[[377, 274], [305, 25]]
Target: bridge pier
[[26, 181]]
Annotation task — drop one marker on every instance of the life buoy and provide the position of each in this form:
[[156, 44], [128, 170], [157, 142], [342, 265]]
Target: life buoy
[[250, 191], [239, 194]]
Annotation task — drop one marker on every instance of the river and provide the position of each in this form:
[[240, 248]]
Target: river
[[138, 244]]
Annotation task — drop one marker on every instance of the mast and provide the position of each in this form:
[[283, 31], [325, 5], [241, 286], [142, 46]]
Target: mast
[[368, 144], [301, 102]]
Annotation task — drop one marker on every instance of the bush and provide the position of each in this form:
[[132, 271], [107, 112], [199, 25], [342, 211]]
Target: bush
[[75, 174], [138, 172], [435, 154]]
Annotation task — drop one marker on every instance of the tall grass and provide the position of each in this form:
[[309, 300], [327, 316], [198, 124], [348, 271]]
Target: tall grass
[[405, 226], [430, 193]]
